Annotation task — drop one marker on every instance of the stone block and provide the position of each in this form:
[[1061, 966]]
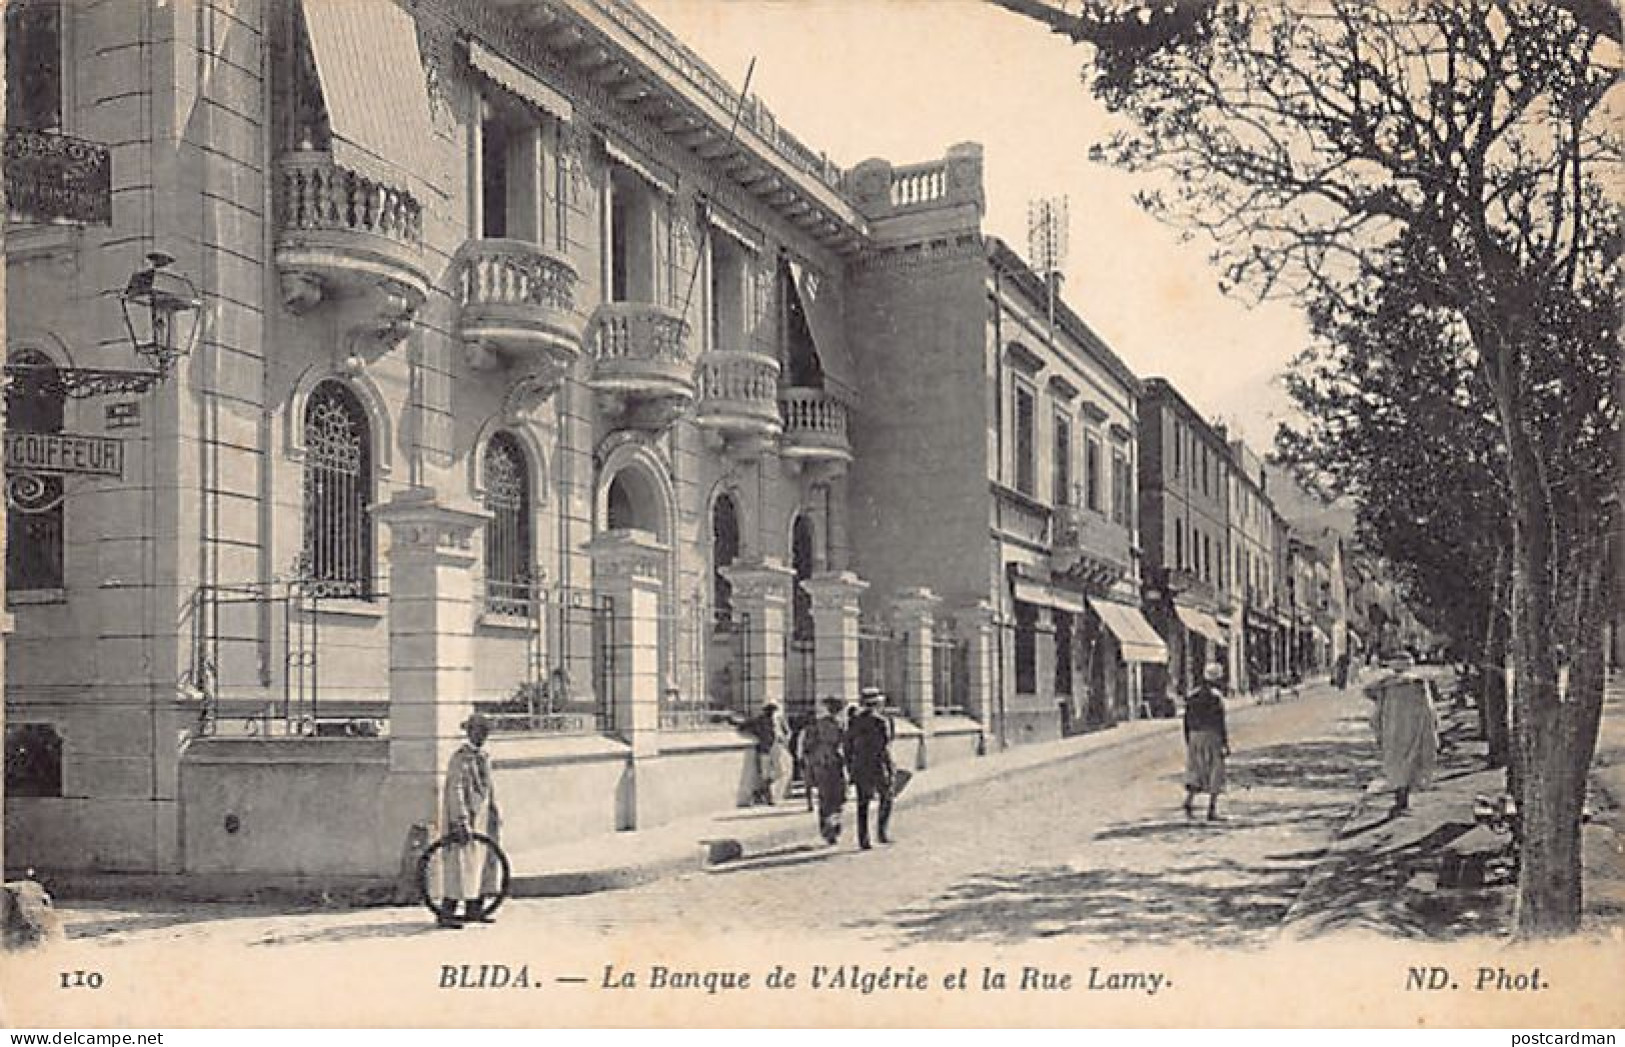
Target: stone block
[[29, 919]]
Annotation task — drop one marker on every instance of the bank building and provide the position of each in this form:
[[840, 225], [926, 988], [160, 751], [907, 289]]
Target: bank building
[[537, 371]]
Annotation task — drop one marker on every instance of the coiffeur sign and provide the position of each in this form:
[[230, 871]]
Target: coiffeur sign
[[64, 453]]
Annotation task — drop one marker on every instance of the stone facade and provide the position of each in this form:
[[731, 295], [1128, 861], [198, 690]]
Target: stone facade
[[529, 382]]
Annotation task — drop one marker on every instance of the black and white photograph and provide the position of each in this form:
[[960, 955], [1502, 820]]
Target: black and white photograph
[[813, 514]]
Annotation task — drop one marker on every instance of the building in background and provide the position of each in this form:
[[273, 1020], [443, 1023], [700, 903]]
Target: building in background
[[997, 458], [1184, 527]]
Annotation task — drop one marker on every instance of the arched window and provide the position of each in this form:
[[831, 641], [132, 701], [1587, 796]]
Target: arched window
[[724, 551], [508, 545], [338, 493], [35, 524]]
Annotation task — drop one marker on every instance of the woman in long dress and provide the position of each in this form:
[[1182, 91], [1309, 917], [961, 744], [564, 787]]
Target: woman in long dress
[[1207, 742]]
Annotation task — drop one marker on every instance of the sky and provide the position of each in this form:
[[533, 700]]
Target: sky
[[905, 79]]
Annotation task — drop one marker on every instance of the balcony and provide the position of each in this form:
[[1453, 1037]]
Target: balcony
[[1089, 546], [342, 233], [739, 394], [815, 426], [518, 299], [641, 358]]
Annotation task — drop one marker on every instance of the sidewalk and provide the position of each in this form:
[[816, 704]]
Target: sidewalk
[[1381, 873], [618, 860]]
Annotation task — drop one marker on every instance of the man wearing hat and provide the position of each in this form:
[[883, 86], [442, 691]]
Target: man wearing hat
[[868, 757], [469, 806], [1406, 727]]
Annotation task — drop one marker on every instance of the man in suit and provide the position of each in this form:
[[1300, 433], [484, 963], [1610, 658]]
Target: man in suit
[[868, 757]]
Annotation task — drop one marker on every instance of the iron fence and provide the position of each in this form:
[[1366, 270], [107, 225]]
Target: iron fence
[[569, 681], [950, 676]]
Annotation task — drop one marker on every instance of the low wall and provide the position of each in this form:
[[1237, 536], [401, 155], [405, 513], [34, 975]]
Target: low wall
[[554, 789], [697, 772], [290, 807], [954, 738]]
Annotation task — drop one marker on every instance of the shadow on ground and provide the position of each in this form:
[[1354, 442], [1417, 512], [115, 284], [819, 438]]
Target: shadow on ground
[[1116, 904], [1288, 792]]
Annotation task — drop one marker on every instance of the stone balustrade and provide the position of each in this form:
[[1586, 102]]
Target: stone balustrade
[[317, 194], [919, 184], [641, 350], [738, 392], [815, 425], [516, 273]]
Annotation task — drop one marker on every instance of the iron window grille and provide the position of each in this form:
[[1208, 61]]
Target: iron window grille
[[337, 559], [508, 544]]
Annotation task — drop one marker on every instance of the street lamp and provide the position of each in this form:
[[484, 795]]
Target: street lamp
[[161, 313], [161, 310]]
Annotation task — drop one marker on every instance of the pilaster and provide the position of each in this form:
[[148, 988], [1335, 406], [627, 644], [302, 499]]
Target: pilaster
[[836, 616], [974, 626], [431, 625], [626, 571], [915, 612], [761, 591]]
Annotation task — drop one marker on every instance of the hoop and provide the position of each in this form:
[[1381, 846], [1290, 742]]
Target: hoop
[[492, 901]]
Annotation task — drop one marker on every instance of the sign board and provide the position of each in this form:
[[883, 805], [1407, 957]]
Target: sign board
[[64, 453], [54, 177]]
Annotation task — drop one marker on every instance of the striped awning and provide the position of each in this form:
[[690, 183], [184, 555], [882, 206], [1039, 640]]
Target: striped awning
[[374, 88], [504, 73], [824, 319], [1201, 623], [1135, 636]]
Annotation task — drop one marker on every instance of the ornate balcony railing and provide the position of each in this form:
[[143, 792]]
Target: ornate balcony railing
[[520, 298], [641, 350], [342, 228], [318, 194], [815, 425], [739, 393]]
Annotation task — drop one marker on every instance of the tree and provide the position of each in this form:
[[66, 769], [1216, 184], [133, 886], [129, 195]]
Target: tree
[[1460, 147], [1391, 415]]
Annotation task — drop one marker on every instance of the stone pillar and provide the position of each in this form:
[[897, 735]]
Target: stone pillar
[[626, 570], [836, 615], [974, 626], [915, 612], [761, 590], [431, 630]]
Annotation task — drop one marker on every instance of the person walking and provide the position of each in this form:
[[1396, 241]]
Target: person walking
[[469, 806], [774, 768], [868, 758], [1207, 742], [1407, 729], [823, 763]]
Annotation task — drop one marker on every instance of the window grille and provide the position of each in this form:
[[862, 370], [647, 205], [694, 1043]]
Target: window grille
[[508, 546], [338, 494], [35, 526]]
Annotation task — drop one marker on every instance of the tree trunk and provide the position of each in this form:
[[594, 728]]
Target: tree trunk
[[1556, 583], [1492, 682]]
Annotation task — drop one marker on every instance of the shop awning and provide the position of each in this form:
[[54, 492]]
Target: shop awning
[[504, 73], [824, 320], [1138, 640], [1201, 623], [1320, 634], [1028, 589], [374, 88]]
